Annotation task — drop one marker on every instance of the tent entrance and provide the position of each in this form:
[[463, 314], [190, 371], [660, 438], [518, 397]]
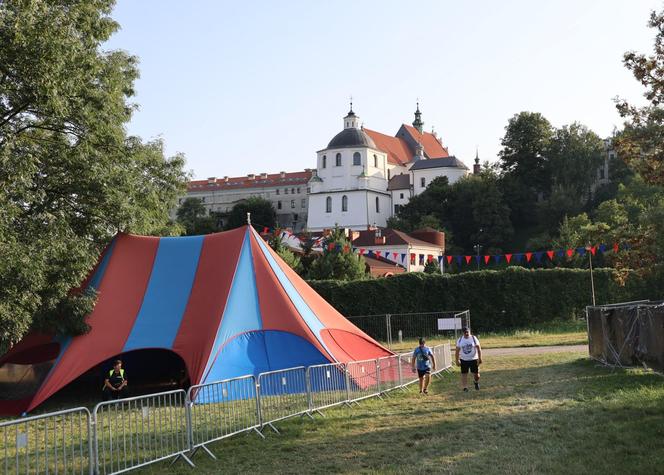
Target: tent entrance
[[23, 373]]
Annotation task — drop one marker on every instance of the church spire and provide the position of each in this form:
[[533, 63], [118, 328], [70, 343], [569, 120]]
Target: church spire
[[477, 168], [351, 121], [417, 123]]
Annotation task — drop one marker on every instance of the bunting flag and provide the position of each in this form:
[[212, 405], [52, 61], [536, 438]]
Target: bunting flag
[[508, 257], [518, 258], [497, 257], [468, 258], [560, 253], [395, 254], [528, 256], [615, 247], [602, 248], [487, 258], [569, 252], [429, 258], [459, 259], [362, 251], [593, 250], [377, 253], [581, 251], [538, 256], [403, 257], [477, 259], [440, 260], [449, 260], [550, 254]]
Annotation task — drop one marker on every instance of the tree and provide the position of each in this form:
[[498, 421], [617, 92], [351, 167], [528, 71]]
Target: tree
[[192, 215], [262, 214], [432, 267], [640, 143], [338, 261], [523, 162], [285, 253], [70, 177]]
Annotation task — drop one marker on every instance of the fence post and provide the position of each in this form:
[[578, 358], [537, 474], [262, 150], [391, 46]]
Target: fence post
[[388, 329], [190, 431], [378, 374], [307, 378], [400, 370], [259, 415], [347, 376]]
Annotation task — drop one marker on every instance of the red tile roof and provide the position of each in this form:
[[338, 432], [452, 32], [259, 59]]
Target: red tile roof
[[397, 150], [243, 182], [432, 146], [392, 238]]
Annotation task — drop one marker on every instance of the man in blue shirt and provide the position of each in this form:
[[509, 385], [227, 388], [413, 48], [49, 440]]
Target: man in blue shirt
[[423, 356]]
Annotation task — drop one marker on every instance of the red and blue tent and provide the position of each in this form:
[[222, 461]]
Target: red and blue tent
[[225, 303]]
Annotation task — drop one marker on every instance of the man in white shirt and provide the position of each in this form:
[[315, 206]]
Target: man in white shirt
[[468, 355]]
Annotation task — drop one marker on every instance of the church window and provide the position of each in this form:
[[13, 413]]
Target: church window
[[277, 190], [292, 204], [292, 191], [423, 182], [328, 204], [401, 195], [278, 204], [285, 191], [324, 161], [298, 190], [338, 160], [357, 158], [344, 203], [303, 204], [377, 205], [376, 161]]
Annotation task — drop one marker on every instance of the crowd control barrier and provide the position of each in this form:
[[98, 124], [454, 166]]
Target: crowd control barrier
[[222, 409], [126, 434], [58, 442], [138, 431]]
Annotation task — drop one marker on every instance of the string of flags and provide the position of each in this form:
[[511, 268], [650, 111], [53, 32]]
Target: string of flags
[[538, 257]]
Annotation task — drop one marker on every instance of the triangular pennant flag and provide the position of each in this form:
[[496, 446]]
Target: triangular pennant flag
[[356, 250], [337, 247], [370, 253], [518, 258], [477, 259], [560, 253], [395, 254], [616, 247], [440, 259], [626, 246], [330, 247], [459, 259], [403, 257], [529, 255], [412, 257], [497, 258], [602, 248], [569, 252], [429, 258], [486, 259], [468, 258], [581, 251], [550, 254], [538, 256], [593, 250], [449, 259], [378, 253], [266, 230], [362, 251], [421, 259], [508, 257]]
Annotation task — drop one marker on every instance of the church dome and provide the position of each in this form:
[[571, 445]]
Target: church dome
[[351, 137]]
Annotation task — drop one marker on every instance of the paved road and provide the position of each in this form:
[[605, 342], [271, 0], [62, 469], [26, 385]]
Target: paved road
[[533, 350]]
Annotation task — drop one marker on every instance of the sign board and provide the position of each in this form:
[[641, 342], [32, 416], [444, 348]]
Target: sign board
[[449, 323]]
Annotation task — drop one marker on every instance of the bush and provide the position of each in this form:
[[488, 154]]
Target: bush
[[497, 300]]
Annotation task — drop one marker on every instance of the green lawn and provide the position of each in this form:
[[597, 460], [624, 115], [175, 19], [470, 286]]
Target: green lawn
[[568, 333], [550, 413]]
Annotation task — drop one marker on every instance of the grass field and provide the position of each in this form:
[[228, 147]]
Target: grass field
[[568, 333], [549, 413]]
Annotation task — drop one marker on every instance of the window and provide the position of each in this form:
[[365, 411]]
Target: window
[[278, 204], [344, 203], [338, 160], [328, 204], [377, 205], [308, 189], [298, 190], [601, 173], [295, 217], [303, 204], [203, 199], [292, 204], [277, 190], [285, 191], [324, 161], [292, 190], [357, 158], [401, 195], [376, 161], [423, 182], [397, 208]]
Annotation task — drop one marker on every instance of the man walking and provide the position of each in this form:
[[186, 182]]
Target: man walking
[[470, 359], [424, 358]]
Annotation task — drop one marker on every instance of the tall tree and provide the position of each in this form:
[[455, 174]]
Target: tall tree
[[262, 212], [640, 144], [193, 216], [70, 177]]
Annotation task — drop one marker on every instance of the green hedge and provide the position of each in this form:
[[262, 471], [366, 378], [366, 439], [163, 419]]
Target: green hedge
[[510, 298]]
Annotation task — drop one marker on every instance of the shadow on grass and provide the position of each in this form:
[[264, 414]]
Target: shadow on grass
[[551, 418]]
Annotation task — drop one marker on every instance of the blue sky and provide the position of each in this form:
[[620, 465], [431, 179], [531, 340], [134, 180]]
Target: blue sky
[[260, 86]]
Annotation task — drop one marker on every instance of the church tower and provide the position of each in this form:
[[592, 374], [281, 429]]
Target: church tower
[[417, 123], [476, 167]]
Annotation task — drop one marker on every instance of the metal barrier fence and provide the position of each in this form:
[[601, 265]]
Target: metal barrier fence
[[58, 442], [282, 394], [393, 327], [222, 409], [328, 386], [138, 431], [126, 434]]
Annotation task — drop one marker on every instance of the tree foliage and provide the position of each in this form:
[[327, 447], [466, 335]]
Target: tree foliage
[[262, 212], [285, 253], [193, 216], [70, 177], [338, 263]]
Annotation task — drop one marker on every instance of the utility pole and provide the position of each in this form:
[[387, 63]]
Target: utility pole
[[477, 248]]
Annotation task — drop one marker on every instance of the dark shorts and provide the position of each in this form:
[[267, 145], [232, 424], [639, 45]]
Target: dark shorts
[[469, 365], [422, 372]]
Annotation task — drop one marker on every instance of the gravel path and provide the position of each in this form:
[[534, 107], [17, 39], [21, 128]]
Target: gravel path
[[533, 350]]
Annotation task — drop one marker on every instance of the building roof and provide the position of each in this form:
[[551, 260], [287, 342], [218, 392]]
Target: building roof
[[351, 137], [392, 238], [445, 162], [399, 182], [397, 150], [380, 267], [433, 148], [244, 182]]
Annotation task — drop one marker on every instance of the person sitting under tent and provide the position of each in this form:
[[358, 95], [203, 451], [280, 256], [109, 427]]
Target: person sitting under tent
[[115, 384]]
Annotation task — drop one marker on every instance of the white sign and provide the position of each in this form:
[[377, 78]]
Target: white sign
[[21, 441], [449, 324]]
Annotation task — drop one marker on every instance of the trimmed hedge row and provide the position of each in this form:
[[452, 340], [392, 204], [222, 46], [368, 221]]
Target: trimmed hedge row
[[504, 299]]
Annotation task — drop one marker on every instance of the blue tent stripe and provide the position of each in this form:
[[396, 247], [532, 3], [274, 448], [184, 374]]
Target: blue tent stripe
[[242, 313], [167, 293]]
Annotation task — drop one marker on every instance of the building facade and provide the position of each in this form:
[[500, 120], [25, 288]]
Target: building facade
[[362, 177], [286, 191]]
